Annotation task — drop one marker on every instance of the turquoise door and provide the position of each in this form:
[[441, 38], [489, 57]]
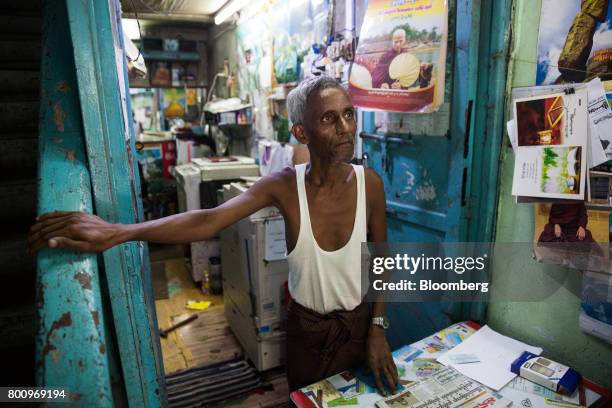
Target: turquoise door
[[441, 178], [97, 335]]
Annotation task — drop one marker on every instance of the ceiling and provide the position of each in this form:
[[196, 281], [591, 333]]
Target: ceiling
[[201, 11]]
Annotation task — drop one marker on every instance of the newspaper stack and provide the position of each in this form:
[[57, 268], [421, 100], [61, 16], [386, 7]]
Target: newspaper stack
[[445, 388]]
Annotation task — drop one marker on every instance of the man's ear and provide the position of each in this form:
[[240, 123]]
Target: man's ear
[[300, 134]]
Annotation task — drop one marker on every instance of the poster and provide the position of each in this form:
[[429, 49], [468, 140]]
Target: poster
[[160, 73], [273, 40], [575, 41], [273, 36], [400, 59], [143, 108], [174, 103], [570, 234], [254, 47], [551, 154]]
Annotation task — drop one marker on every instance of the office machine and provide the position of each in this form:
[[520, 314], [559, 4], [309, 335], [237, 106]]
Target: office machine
[[255, 270], [197, 183], [217, 171]]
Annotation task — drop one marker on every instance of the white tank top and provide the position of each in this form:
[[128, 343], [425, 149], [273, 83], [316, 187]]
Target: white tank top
[[321, 280]]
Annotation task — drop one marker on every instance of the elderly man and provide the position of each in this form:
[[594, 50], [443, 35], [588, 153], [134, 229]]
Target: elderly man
[[330, 207], [380, 76]]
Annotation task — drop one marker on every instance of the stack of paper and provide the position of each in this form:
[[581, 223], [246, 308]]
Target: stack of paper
[[494, 354]]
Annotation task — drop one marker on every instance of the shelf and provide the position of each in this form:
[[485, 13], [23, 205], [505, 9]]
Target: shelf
[[170, 56], [235, 109], [599, 173], [139, 86]]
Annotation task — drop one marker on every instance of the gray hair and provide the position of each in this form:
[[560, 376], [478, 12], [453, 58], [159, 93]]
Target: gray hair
[[298, 97]]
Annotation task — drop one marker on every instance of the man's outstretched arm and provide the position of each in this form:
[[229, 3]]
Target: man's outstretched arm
[[89, 233]]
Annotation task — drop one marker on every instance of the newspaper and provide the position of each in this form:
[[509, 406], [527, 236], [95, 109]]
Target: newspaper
[[445, 388]]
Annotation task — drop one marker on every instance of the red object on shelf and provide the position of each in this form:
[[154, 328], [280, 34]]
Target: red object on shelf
[[168, 157], [222, 159]]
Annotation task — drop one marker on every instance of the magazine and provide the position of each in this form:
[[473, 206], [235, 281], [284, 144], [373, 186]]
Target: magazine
[[551, 146], [445, 388]]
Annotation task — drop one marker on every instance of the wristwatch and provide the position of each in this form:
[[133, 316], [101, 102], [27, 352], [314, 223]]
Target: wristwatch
[[381, 321]]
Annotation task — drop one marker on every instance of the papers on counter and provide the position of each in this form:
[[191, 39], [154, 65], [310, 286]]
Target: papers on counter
[[445, 389], [495, 352], [535, 396]]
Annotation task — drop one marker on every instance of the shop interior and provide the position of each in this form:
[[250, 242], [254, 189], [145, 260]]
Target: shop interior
[[453, 121], [201, 139]]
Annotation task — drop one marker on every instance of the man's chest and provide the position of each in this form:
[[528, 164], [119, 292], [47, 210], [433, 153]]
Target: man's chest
[[330, 212]]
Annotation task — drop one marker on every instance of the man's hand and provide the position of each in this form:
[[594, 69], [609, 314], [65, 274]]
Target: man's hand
[[557, 230], [379, 360], [581, 233], [76, 230], [396, 85], [384, 86]]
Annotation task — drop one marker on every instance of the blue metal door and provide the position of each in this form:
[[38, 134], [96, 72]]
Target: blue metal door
[[441, 177]]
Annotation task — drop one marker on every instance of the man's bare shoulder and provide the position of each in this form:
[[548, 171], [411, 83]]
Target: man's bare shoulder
[[279, 182], [373, 180]]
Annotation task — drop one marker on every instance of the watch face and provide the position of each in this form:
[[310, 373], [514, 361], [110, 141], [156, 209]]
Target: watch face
[[381, 321]]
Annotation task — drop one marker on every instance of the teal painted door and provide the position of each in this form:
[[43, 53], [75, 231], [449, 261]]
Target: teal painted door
[[96, 332], [441, 178]]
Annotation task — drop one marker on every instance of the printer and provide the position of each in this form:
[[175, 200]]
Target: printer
[[255, 271], [197, 183], [217, 171]]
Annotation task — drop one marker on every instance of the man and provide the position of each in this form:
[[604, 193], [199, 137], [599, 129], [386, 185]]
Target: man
[[329, 207], [380, 76]]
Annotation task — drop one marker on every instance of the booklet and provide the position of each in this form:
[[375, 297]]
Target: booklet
[[551, 145]]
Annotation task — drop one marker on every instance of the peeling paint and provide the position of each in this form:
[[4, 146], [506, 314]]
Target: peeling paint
[[84, 279], [55, 355], [409, 181], [64, 321], [69, 153], [41, 296], [96, 318], [59, 116], [426, 191], [62, 86]]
